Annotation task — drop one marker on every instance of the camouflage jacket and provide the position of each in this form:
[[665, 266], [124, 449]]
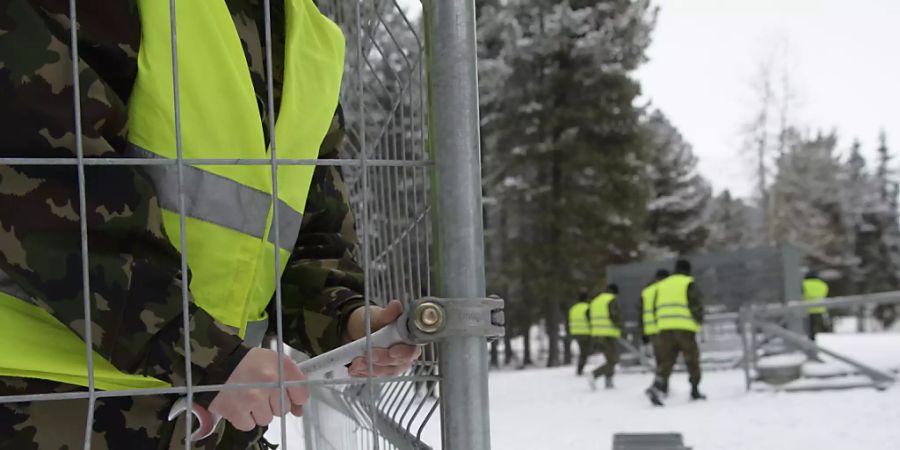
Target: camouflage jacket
[[135, 276]]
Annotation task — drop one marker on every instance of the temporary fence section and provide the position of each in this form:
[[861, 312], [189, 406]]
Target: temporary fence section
[[764, 335], [728, 280], [385, 109], [411, 161]]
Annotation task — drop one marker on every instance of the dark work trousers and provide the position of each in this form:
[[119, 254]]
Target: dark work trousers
[[610, 348], [584, 351], [669, 344], [815, 324]]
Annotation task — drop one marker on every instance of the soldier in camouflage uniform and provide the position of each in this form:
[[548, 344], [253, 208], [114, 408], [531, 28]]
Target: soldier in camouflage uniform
[[679, 312], [135, 270]]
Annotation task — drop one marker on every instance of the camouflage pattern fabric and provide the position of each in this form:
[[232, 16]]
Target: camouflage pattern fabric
[[134, 423], [670, 344], [135, 276], [609, 346]]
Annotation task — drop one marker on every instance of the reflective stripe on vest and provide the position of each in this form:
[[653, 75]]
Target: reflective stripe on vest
[[815, 289], [601, 323], [648, 296], [211, 198], [229, 208], [578, 320], [672, 311]]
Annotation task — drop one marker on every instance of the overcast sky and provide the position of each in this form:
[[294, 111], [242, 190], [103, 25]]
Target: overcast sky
[[845, 59], [704, 54]]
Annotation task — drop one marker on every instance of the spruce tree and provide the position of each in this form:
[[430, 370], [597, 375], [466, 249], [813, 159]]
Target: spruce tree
[[729, 224], [677, 211], [563, 146], [810, 208]]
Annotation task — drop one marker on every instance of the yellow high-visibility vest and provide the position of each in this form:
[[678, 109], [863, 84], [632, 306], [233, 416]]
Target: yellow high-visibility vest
[[648, 296], [601, 323], [229, 208], [578, 319], [672, 312], [815, 289]]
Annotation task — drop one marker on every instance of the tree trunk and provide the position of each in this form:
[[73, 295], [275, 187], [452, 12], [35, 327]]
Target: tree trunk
[[526, 348], [495, 354], [555, 234], [508, 354], [567, 350]]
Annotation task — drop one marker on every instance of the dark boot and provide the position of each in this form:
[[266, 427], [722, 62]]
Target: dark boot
[[609, 383], [696, 394], [655, 393]]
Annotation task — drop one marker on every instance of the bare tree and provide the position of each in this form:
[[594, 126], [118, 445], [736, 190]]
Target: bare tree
[[771, 129]]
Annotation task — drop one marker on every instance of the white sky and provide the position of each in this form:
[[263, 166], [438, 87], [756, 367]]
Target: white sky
[[844, 55], [705, 52]]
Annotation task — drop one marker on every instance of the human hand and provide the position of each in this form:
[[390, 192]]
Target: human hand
[[386, 362], [246, 409]]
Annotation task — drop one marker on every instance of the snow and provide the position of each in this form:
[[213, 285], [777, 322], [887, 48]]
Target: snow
[[554, 409], [788, 360]]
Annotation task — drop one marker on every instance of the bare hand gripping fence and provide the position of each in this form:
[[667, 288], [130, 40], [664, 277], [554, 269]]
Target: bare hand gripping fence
[[427, 321]]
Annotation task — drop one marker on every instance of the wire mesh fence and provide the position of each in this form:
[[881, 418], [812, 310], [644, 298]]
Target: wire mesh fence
[[387, 169], [384, 100]]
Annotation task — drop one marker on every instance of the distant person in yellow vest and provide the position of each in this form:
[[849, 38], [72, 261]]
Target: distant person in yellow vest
[[650, 332], [580, 329], [679, 312], [606, 328], [814, 289]]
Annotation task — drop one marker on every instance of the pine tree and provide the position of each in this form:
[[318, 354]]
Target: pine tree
[[677, 211], [729, 224], [888, 220], [809, 208], [563, 147], [861, 204]]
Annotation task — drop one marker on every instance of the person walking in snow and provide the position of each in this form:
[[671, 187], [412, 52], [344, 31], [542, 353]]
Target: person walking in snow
[[679, 314], [606, 328]]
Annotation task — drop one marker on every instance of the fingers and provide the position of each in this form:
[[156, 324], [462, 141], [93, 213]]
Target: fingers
[[262, 411], [386, 362], [241, 421], [246, 409], [403, 352], [387, 315], [297, 395], [275, 404]]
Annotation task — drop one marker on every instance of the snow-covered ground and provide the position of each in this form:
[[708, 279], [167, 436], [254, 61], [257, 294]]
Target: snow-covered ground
[[554, 409]]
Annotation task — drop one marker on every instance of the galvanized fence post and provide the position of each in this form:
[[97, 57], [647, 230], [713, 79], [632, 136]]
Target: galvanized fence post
[[456, 189]]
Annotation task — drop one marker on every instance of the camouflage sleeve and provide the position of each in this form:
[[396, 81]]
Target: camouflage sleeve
[[323, 281], [134, 271], [695, 302]]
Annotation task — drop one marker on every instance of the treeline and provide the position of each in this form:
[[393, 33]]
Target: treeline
[[579, 174]]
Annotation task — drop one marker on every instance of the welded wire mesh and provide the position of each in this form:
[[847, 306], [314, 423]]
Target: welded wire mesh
[[386, 166], [384, 106]]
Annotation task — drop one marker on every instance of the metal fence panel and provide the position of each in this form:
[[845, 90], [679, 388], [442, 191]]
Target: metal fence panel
[[390, 174]]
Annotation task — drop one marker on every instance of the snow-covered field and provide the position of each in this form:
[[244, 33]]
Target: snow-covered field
[[554, 409]]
